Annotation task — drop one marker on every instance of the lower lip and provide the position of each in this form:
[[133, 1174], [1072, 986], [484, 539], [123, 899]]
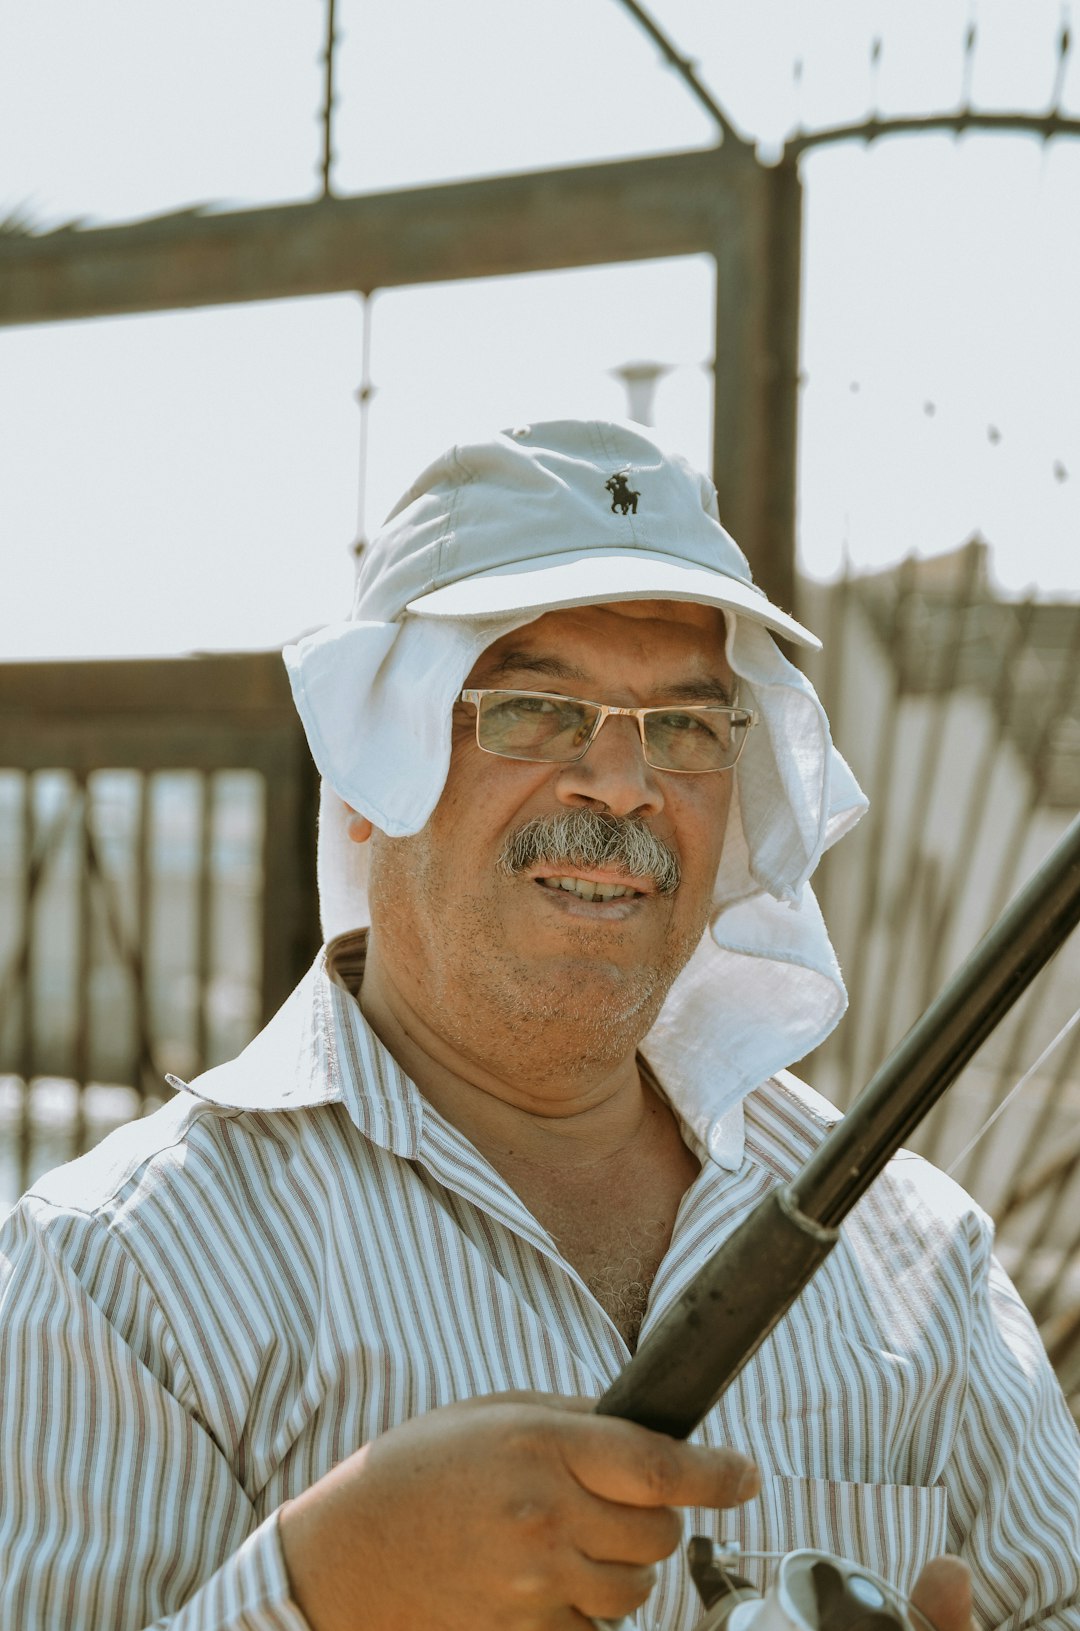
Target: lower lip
[[614, 910]]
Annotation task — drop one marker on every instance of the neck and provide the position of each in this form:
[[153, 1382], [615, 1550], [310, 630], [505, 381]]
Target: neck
[[513, 1093]]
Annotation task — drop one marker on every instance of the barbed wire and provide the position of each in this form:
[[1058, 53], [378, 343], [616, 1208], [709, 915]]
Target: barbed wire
[[364, 394], [1064, 47], [1046, 124], [686, 68], [329, 102]]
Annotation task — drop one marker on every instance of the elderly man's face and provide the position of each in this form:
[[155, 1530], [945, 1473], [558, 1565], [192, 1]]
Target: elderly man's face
[[480, 947]]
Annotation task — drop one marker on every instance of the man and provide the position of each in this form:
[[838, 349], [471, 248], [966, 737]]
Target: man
[[316, 1345]]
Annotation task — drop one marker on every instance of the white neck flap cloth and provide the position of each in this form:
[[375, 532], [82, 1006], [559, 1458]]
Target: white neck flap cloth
[[575, 513]]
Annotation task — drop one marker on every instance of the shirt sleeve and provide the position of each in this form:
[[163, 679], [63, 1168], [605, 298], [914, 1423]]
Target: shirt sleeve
[[117, 1509], [1014, 1474]]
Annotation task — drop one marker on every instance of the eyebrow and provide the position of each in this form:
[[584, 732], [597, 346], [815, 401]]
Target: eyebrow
[[710, 688]]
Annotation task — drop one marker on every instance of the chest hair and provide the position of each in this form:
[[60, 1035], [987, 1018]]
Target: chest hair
[[617, 1258], [615, 1228]]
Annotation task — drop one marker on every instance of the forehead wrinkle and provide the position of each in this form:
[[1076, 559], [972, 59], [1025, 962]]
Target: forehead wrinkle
[[519, 662], [709, 688]]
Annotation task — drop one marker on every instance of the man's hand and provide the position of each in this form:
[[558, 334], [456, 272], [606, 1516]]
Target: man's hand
[[943, 1593], [519, 1512]]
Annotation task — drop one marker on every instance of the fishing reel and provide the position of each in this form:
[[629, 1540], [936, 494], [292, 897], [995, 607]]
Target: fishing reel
[[808, 1591]]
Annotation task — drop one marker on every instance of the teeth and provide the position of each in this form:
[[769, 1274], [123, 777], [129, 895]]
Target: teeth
[[589, 891]]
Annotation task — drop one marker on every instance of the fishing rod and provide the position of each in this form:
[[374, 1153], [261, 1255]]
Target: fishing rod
[[747, 1286], [750, 1282]]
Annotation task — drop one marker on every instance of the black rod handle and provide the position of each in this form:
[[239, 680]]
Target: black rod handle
[[724, 1314]]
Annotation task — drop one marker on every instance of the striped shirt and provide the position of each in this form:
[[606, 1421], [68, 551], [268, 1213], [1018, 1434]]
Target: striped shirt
[[203, 1315]]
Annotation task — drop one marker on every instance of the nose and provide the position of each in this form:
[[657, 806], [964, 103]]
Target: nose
[[613, 774]]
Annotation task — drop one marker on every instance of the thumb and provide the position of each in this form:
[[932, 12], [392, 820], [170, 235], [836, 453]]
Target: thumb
[[943, 1594]]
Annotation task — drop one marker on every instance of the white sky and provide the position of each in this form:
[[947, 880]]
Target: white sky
[[189, 481]]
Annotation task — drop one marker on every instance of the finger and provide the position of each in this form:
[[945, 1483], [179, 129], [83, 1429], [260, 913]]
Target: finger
[[599, 1591], [607, 1533], [556, 1619], [572, 1403], [557, 1401], [943, 1593], [608, 1591], [622, 1462]]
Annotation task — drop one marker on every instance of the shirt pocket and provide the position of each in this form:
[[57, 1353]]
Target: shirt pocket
[[893, 1529]]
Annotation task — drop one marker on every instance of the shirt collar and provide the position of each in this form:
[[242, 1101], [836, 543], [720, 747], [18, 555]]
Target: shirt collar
[[319, 1049]]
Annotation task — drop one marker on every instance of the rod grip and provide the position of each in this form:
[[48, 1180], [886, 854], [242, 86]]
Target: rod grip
[[721, 1318]]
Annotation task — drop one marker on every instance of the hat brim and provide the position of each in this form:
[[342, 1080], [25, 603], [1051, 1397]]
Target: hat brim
[[597, 577]]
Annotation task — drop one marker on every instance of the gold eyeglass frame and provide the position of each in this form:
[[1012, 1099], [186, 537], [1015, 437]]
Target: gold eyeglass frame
[[604, 710]]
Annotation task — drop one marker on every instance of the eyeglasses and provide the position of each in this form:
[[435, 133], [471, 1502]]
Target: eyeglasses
[[547, 729]]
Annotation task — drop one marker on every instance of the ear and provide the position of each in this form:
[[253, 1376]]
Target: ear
[[358, 828]]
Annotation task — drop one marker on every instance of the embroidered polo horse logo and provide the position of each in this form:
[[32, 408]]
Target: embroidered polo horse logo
[[623, 498]]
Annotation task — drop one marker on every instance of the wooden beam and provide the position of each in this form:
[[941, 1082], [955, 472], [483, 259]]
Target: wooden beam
[[217, 712], [249, 685], [718, 201], [638, 209], [756, 385]]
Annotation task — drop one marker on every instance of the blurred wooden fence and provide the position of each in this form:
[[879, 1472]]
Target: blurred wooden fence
[[157, 884], [960, 714]]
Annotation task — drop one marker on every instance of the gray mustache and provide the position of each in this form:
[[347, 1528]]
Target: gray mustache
[[581, 838]]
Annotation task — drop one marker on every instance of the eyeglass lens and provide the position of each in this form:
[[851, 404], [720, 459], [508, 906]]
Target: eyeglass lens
[[558, 729]]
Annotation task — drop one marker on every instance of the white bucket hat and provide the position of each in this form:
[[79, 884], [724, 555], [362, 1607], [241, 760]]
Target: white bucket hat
[[571, 513]]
